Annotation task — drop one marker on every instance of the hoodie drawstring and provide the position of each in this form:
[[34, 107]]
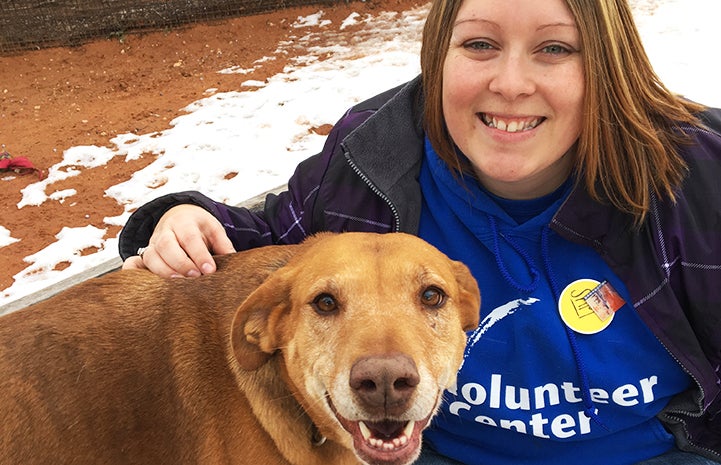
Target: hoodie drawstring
[[589, 408], [501, 266]]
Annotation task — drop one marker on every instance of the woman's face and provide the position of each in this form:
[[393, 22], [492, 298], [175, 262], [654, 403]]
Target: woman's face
[[513, 89]]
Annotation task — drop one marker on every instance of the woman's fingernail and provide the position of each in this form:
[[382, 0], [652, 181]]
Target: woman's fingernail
[[206, 268]]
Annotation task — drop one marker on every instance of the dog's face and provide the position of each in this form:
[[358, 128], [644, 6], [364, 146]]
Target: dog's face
[[371, 331]]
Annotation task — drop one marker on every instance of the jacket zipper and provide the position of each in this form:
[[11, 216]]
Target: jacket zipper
[[369, 183], [699, 402]]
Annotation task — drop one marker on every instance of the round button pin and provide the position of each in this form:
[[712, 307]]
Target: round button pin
[[583, 308]]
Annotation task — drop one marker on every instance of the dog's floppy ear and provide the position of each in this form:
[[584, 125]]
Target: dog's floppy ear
[[470, 296], [252, 337]]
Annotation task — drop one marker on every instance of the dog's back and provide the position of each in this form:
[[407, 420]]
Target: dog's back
[[129, 361]]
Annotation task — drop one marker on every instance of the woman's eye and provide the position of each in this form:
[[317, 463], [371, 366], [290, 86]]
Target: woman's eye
[[325, 303], [433, 297], [556, 49], [477, 45]]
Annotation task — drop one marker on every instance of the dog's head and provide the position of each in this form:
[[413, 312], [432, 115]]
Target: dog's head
[[371, 331]]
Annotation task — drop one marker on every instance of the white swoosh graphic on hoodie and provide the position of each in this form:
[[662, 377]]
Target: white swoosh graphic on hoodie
[[496, 315]]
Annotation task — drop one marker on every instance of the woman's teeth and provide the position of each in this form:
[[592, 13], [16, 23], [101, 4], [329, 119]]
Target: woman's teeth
[[510, 125]]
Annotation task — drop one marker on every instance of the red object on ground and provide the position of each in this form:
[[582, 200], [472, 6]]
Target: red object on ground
[[19, 165]]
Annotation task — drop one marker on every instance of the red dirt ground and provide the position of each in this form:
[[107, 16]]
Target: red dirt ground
[[54, 99]]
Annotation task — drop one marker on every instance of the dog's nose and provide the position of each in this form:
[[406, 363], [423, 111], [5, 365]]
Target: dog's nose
[[384, 384]]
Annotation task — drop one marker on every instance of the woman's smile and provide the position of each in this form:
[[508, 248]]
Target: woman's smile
[[510, 124]]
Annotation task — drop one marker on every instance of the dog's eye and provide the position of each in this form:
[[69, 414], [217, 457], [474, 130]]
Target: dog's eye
[[325, 303], [433, 297]]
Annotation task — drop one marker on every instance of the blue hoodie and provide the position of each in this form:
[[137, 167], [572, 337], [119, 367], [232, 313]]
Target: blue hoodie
[[560, 369]]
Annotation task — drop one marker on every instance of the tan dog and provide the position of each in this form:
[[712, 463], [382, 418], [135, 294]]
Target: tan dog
[[329, 352]]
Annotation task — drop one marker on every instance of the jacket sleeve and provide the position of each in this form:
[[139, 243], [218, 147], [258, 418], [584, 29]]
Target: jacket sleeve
[[286, 218]]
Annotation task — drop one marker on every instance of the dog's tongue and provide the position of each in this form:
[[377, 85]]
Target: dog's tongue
[[386, 442], [386, 429]]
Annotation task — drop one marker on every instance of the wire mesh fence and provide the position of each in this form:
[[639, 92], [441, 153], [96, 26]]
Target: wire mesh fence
[[34, 24]]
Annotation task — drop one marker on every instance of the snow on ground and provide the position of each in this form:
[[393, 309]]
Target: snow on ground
[[262, 134]]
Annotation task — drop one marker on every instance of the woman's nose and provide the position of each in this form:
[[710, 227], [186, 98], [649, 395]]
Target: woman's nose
[[513, 77]]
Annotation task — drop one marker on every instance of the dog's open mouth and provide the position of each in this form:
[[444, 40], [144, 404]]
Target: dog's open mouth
[[386, 442]]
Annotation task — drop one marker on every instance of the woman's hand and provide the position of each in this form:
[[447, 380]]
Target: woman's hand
[[182, 243]]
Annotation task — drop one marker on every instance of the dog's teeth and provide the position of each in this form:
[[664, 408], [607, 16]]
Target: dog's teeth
[[364, 430], [408, 430], [400, 441], [390, 444]]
